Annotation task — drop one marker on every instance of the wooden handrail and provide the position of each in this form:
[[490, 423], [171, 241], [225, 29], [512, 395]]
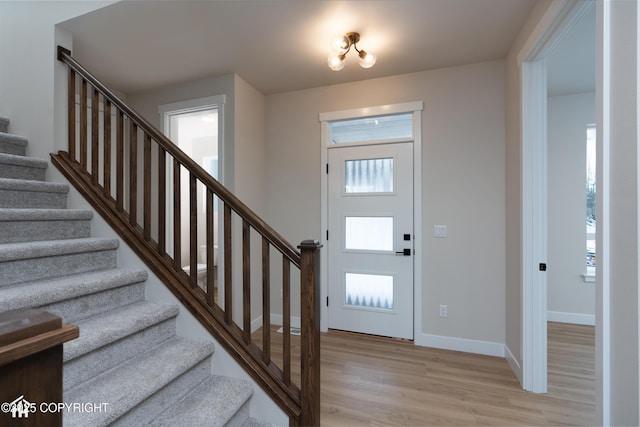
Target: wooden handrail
[[31, 365], [114, 190], [236, 204]]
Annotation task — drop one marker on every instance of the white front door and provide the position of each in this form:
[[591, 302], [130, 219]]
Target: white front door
[[370, 239]]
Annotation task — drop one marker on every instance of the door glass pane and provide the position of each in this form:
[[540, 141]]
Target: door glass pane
[[372, 128], [368, 176], [369, 290], [368, 233]]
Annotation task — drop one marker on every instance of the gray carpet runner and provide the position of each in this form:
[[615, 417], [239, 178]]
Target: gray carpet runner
[[128, 354]]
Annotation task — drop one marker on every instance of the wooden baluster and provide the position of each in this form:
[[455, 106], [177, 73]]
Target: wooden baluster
[[177, 247], [107, 149], [286, 320], [83, 126], [72, 115], [147, 187], [228, 265], [211, 270], [133, 173], [162, 200], [193, 230], [95, 134], [310, 332], [246, 281], [266, 303], [120, 161]]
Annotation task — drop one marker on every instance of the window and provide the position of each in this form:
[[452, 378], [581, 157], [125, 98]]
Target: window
[[394, 126], [591, 201], [368, 176]]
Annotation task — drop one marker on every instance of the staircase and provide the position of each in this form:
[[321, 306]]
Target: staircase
[[128, 354]]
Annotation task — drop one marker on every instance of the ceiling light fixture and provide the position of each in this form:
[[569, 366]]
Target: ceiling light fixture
[[342, 47]]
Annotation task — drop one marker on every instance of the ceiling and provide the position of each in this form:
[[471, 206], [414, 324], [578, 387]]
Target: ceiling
[[283, 45]]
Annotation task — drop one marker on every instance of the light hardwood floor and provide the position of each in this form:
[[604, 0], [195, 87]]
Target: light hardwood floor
[[369, 381]]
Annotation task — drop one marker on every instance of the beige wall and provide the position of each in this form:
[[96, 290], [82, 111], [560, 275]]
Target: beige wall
[[463, 184]]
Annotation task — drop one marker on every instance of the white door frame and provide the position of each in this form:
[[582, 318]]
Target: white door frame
[[557, 21], [324, 118]]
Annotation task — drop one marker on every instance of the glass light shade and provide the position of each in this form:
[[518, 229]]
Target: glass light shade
[[367, 60], [336, 62], [340, 45]]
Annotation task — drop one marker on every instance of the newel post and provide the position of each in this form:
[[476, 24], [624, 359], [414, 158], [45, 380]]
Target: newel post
[[310, 325]]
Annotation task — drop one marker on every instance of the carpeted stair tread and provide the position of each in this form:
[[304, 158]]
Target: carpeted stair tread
[[45, 292], [21, 193], [212, 403], [12, 159], [44, 214], [20, 167], [107, 328], [34, 186], [12, 144], [48, 248], [130, 384], [253, 422], [112, 338], [28, 225]]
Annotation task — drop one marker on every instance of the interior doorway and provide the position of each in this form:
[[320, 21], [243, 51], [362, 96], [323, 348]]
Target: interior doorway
[[195, 126], [559, 20]]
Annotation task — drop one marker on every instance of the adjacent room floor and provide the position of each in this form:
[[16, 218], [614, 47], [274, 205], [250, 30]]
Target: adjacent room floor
[[369, 381]]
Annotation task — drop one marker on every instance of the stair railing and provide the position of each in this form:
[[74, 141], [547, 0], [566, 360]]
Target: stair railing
[[122, 164]]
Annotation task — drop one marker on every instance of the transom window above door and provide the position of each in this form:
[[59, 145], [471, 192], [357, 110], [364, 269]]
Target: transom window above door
[[389, 127]]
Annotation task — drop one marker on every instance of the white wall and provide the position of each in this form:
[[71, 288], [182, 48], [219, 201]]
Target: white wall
[[570, 299], [619, 169], [28, 52], [463, 187]]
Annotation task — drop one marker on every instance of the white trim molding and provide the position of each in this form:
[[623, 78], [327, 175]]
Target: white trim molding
[[416, 108], [486, 348], [513, 363], [573, 318]]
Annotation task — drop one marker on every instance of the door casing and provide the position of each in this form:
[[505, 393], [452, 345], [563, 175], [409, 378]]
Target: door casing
[[416, 109]]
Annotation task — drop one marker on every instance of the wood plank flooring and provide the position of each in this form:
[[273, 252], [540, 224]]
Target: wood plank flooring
[[369, 381]]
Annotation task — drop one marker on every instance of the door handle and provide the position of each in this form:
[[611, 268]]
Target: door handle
[[404, 252]]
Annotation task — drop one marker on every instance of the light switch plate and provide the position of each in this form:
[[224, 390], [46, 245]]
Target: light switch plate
[[439, 231]]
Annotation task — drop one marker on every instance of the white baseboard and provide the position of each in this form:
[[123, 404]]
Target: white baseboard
[[487, 348], [276, 319], [574, 318], [256, 324], [513, 363]]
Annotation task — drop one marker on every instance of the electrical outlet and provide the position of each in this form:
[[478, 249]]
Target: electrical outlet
[[443, 311]]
